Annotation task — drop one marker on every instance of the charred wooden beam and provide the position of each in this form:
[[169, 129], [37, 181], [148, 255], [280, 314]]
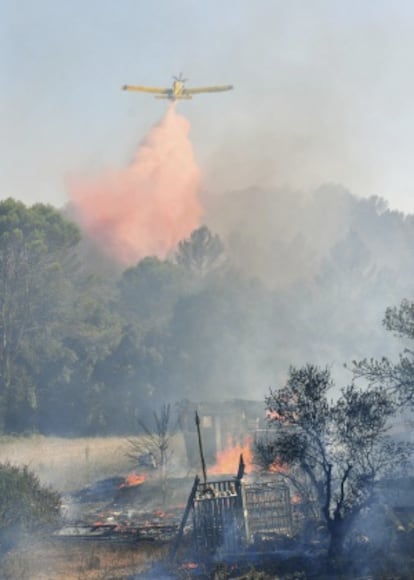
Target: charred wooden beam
[[242, 467], [200, 445], [186, 513]]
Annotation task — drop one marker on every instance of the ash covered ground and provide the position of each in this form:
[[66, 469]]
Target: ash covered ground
[[124, 509]]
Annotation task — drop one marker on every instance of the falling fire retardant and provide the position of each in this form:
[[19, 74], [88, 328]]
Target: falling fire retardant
[[147, 207]]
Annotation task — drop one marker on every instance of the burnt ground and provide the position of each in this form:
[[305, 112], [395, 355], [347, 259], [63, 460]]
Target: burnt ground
[[123, 533], [109, 502]]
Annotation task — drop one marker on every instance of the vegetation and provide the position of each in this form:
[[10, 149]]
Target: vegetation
[[25, 505], [154, 447], [397, 377], [340, 447], [86, 349]]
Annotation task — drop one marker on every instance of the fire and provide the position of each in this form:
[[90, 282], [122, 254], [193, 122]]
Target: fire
[[189, 565], [228, 459], [144, 209], [133, 479], [295, 499], [160, 513], [277, 467]]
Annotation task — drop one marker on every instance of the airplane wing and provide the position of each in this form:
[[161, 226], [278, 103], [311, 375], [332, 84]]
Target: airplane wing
[[154, 90], [217, 89]]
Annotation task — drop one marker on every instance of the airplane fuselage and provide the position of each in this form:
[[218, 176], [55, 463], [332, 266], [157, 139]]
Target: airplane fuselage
[[176, 92], [177, 88]]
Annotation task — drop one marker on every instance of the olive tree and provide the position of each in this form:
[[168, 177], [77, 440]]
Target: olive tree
[[397, 377], [340, 446]]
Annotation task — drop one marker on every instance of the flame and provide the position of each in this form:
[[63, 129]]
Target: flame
[[133, 479], [148, 207], [295, 499], [277, 467], [228, 459], [160, 513], [189, 565]]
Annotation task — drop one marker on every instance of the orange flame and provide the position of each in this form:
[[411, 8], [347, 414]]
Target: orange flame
[[189, 565], [228, 459], [277, 467], [133, 479], [160, 513]]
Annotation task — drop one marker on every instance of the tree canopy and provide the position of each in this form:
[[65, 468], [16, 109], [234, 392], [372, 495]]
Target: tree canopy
[[86, 348], [398, 377], [34, 244], [340, 447]]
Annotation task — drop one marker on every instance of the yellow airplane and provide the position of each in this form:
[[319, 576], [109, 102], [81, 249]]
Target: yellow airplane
[[177, 90]]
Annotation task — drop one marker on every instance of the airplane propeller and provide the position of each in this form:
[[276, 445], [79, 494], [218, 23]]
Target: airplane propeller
[[180, 78]]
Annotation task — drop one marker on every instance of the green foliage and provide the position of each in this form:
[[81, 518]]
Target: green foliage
[[397, 377], [33, 245], [54, 325], [202, 253], [25, 505], [341, 447], [149, 291], [85, 348]]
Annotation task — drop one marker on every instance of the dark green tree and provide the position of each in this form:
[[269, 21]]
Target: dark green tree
[[35, 251], [72, 390], [26, 506], [341, 447], [148, 292]]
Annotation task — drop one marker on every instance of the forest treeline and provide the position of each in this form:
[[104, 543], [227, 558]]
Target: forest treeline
[[87, 348]]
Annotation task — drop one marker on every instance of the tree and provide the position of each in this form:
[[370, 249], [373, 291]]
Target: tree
[[396, 377], [148, 291], [201, 253], [341, 447], [35, 246], [25, 505], [72, 390], [156, 442]]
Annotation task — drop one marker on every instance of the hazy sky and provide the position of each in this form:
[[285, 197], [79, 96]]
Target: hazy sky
[[323, 91]]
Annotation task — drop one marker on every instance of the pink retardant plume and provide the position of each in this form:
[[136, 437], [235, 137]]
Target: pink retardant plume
[[148, 207]]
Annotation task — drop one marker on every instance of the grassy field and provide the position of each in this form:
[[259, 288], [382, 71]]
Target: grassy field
[[67, 464]]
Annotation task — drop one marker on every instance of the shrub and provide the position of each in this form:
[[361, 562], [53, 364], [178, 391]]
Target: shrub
[[25, 505]]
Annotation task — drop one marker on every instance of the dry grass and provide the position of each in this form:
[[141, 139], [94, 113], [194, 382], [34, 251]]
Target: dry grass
[[67, 464], [62, 561]]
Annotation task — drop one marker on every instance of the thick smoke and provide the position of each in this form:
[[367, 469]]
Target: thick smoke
[[149, 206]]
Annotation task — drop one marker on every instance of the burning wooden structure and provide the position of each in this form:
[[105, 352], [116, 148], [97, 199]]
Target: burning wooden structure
[[219, 517], [219, 423], [269, 510], [218, 511], [228, 515], [224, 515]]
